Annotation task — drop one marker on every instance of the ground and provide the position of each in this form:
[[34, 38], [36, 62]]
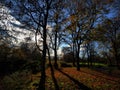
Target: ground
[[70, 79]]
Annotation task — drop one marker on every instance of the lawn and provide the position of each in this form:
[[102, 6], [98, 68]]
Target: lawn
[[70, 79]]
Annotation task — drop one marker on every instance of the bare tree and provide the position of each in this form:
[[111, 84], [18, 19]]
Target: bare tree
[[109, 34], [35, 13], [55, 33]]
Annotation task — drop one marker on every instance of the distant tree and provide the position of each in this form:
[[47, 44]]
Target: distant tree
[[90, 52], [68, 57], [110, 34], [81, 21], [55, 33]]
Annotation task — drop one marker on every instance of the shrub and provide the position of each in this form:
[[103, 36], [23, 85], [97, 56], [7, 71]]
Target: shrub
[[16, 81], [64, 64], [68, 57]]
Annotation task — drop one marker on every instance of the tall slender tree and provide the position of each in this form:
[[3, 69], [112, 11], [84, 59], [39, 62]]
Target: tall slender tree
[[35, 13], [55, 34]]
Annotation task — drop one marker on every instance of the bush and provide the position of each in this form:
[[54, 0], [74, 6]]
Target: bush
[[16, 81], [64, 64], [68, 57]]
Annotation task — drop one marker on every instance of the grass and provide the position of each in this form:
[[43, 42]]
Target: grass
[[66, 78], [70, 79], [94, 64]]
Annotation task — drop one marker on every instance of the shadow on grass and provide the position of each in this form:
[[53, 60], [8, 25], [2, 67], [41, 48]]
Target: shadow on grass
[[42, 86], [53, 78], [96, 75], [81, 86]]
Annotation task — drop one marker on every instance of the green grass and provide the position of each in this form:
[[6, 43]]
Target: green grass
[[94, 64]]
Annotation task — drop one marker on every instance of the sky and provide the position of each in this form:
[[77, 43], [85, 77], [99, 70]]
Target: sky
[[14, 26], [17, 30]]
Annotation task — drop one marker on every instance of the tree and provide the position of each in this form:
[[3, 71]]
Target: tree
[[55, 33], [35, 15], [81, 21], [74, 28], [110, 33], [90, 51]]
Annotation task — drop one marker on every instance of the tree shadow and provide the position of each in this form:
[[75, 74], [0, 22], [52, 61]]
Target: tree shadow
[[53, 78], [81, 86], [96, 75], [52, 71]]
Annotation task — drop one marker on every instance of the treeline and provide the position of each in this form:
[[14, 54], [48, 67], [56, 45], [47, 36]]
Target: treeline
[[16, 58], [100, 45]]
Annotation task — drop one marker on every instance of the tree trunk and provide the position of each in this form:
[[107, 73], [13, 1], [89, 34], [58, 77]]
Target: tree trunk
[[49, 58], [78, 63], [90, 58], [55, 58], [88, 55], [55, 51], [73, 55], [116, 58], [115, 53], [43, 75]]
